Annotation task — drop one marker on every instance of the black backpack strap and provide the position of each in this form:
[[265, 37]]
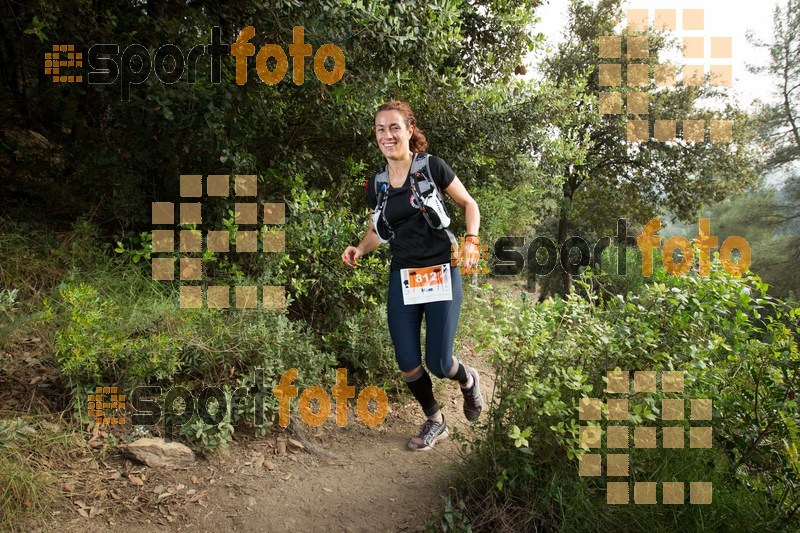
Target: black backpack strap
[[380, 178], [420, 167], [424, 186], [418, 164]]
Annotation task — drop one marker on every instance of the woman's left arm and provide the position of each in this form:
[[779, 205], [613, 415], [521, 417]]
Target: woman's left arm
[[456, 190], [459, 194]]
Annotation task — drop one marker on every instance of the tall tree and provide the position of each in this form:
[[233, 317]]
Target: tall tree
[[615, 178], [769, 216], [71, 148], [781, 118]]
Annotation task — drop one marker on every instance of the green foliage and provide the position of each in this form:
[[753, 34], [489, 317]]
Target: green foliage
[[455, 517], [779, 118], [327, 291], [116, 326], [768, 217], [243, 408], [610, 279], [14, 429], [34, 261], [93, 343], [8, 299], [738, 347], [311, 145], [207, 437], [139, 247], [604, 176], [275, 131], [363, 342]]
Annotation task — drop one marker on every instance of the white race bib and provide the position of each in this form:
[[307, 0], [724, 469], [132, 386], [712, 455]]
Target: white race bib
[[426, 284]]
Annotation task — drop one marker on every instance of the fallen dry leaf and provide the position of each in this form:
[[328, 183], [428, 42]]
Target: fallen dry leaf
[[197, 496], [136, 481]]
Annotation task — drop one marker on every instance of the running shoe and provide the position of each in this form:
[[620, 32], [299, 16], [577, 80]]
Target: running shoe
[[429, 434], [473, 401]]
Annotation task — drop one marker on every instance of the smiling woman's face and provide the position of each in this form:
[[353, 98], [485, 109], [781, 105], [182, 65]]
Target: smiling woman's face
[[392, 134]]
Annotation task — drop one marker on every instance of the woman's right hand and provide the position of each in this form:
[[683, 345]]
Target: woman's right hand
[[351, 255]]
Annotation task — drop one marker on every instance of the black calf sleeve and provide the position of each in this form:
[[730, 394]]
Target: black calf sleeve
[[422, 389], [460, 375]]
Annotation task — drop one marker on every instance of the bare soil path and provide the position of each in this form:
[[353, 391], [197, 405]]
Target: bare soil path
[[354, 478]]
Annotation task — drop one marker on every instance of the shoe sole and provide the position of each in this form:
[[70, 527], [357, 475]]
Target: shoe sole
[[477, 383], [443, 435]]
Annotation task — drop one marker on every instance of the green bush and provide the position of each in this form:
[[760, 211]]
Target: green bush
[[113, 325], [327, 291], [363, 343], [611, 280], [96, 343], [736, 345]]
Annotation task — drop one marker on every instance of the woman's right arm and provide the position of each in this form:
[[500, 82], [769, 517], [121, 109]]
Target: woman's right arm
[[368, 243]]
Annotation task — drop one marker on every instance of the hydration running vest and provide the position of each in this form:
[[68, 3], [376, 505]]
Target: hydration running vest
[[432, 205]]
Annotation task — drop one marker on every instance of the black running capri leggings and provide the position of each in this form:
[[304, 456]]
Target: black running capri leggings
[[441, 322]]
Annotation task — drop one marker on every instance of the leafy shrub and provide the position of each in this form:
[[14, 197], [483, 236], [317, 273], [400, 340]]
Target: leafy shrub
[[363, 342], [207, 437], [114, 325], [610, 279], [11, 430], [737, 345], [327, 291], [95, 344]]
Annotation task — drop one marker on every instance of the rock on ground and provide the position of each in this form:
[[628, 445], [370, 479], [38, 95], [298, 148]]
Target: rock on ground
[[156, 452]]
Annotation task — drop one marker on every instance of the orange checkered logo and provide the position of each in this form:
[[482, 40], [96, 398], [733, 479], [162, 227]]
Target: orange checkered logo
[[57, 62], [103, 400], [618, 437], [192, 243], [626, 91]]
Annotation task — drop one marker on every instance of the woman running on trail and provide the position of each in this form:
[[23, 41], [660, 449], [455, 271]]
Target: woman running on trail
[[408, 211]]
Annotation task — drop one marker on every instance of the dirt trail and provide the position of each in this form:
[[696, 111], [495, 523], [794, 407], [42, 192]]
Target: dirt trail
[[354, 478]]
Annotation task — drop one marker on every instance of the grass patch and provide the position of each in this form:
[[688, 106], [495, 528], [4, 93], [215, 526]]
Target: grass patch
[[22, 490], [30, 450]]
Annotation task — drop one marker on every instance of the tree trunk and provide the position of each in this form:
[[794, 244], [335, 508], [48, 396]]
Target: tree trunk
[[563, 230], [787, 102]]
